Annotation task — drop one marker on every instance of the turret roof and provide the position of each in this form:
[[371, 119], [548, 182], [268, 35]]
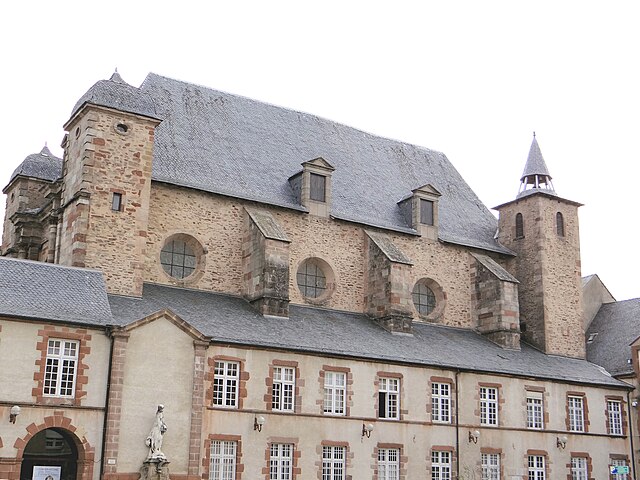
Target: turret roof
[[44, 165]]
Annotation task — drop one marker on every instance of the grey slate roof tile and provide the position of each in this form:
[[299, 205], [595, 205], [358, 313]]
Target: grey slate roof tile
[[43, 165], [617, 325], [50, 292], [234, 146], [495, 268], [231, 320]]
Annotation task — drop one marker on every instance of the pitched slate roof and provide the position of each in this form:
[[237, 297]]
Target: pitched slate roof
[[617, 325], [43, 165], [535, 162], [235, 146], [50, 292], [229, 319]]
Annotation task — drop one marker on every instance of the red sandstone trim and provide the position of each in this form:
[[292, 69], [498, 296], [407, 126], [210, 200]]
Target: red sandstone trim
[[206, 460], [197, 406], [83, 337], [243, 377], [297, 397]]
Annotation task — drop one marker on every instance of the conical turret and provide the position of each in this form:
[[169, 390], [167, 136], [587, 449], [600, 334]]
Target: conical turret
[[535, 177]]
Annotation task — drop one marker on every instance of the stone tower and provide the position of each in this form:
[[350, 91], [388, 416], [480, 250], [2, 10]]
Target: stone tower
[[108, 152], [542, 229]]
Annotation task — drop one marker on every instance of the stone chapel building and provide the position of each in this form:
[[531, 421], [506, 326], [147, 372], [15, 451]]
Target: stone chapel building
[[306, 300]]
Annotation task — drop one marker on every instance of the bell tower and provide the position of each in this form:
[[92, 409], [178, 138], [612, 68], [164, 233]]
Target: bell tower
[[542, 229]]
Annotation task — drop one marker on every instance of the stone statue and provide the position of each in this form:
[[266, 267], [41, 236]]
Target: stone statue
[[154, 440]]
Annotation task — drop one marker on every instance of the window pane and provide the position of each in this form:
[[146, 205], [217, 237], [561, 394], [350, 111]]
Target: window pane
[[318, 187], [426, 212]]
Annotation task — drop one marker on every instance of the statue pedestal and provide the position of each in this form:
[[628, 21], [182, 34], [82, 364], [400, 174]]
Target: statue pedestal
[[155, 469]]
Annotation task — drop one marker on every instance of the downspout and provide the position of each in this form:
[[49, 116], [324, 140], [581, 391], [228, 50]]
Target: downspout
[[106, 402], [457, 431], [630, 422]]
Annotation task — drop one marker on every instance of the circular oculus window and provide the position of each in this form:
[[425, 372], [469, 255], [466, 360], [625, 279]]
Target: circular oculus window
[[315, 280], [428, 299], [180, 256]]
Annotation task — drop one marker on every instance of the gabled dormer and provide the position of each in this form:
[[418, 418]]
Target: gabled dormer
[[312, 186], [420, 209]]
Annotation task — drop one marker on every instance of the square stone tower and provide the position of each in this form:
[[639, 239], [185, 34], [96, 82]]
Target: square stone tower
[[542, 229]]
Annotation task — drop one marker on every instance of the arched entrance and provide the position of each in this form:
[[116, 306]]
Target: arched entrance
[[48, 452]]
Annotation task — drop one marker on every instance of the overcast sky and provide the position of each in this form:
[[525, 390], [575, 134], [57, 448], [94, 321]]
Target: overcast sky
[[472, 79]]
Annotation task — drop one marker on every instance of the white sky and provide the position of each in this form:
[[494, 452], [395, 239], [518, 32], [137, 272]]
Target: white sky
[[473, 79]]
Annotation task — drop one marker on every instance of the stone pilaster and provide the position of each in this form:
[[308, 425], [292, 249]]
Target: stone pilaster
[[114, 410], [197, 405]]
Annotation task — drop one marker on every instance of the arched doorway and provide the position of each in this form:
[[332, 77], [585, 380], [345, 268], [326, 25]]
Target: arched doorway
[[50, 451]]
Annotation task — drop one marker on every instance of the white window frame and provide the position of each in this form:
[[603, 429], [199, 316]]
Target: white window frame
[[61, 368], [335, 393], [280, 461], [389, 398], [535, 410], [441, 402], [226, 383], [576, 413], [619, 463], [222, 460], [490, 466], [489, 406], [614, 413], [334, 463], [388, 464], [579, 468], [536, 467], [440, 465], [284, 387]]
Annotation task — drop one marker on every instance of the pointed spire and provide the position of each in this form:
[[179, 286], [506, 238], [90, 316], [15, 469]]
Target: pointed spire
[[117, 78], [535, 177], [45, 152]]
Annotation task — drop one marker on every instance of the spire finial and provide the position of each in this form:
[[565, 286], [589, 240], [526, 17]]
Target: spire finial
[[534, 132]]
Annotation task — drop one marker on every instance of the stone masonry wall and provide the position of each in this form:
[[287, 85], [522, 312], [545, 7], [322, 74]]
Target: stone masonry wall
[[217, 223], [548, 268], [109, 161]]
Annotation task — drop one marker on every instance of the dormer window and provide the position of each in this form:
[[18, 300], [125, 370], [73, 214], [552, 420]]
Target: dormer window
[[426, 212], [420, 209], [312, 186], [318, 191]]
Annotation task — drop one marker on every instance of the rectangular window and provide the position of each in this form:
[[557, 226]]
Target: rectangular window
[[614, 412], [334, 392], [388, 464], [318, 187], [440, 465], [280, 461], [426, 212], [536, 467], [60, 368], [225, 384], [619, 463], [222, 464], [576, 414], [388, 397], [488, 406], [333, 463], [490, 466], [535, 410], [284, 382], [116, 202], [441, 402], [578, 468]]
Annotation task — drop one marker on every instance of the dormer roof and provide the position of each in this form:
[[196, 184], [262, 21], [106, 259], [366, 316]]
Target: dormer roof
[[320, 163]]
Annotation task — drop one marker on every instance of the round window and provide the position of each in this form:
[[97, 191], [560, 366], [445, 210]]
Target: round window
[[180, 256], [315, 280], [424, 299], [429, 299]]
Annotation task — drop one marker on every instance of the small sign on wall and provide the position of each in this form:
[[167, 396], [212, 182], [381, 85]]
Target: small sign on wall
[[46, 473]]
